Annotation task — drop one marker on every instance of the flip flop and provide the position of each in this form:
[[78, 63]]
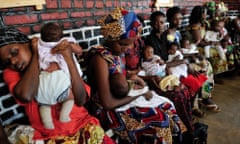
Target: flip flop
[[210, 106], [213, 108]]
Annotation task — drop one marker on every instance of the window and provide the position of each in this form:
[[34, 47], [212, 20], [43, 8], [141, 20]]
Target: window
[[19, 3]]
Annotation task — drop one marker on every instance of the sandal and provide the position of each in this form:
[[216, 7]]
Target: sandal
[[213, 108], [210, 105], [198, 113]]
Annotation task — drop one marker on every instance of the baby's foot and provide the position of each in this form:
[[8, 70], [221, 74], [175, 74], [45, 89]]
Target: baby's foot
[[48, 125], [65, 119]]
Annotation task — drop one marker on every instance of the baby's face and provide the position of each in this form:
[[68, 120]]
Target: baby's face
[[148, 53], [186, 44], [237, 24], [172, 49]]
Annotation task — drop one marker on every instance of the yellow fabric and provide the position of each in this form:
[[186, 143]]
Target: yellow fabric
[[90, 134], [114, 29], [169, 82]]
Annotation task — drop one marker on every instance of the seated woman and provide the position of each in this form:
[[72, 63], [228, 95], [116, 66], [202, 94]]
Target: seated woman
[[180, 95], [135, 124], [196, 33], [20, 57]]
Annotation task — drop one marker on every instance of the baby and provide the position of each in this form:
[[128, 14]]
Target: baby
[[176, 60], [214, 36], [54, 79], [120, 87], [187, 48], [152, 64]]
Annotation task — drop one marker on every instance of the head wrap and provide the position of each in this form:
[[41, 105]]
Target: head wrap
[[11, 36], [119, 24]]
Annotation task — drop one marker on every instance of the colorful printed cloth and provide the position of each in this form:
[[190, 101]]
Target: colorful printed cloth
[[133, 55], [119, 24], [90, 134], [115, 63], [181, 97], [159, 123]]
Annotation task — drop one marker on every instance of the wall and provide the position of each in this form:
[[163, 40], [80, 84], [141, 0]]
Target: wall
[[75, 13]]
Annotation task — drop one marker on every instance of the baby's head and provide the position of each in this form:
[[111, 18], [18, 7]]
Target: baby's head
[[51, 32], [236, 24], [172, 48], [185, 43], [148, 52], [119, 85], [225, 41], [217, 25]]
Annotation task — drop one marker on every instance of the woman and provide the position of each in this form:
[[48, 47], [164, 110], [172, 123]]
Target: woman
[[196, 32], [156, 39], [134, 124], [20, 57], [180, 96]]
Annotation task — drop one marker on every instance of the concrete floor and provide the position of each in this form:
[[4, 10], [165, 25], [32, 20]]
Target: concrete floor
[[224, 127]]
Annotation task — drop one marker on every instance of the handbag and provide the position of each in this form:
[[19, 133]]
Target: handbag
[[198, 136]]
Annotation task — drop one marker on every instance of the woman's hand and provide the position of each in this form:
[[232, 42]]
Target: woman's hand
[[34, 45], [65, 49], [79, 91]]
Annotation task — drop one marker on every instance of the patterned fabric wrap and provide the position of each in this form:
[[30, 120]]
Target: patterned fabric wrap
[[181, 98], [133, 55], [158, 124], [90, 134], [12, 36], [114, 62], [119, 24]]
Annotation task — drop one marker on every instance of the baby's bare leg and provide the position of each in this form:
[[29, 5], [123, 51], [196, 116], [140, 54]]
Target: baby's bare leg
[[66, 110], [46, 116]]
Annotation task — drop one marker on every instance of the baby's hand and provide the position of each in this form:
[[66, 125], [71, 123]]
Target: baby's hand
[[53, 66], [138, 80], [161, 62], [177, 57], [77, 49], [148, 95]]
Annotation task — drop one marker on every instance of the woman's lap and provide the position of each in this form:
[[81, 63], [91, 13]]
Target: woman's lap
[[136, 122], [89, 134]]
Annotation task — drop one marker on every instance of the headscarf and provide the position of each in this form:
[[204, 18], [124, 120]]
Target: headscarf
[[11, 36], [119, 24]]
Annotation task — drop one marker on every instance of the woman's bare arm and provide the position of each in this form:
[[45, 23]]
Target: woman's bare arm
[[26, 89], [78, 88], [101, 79]]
